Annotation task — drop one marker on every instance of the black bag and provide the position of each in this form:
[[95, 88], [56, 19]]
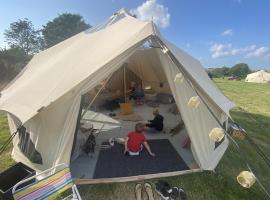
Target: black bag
[[111, 105]]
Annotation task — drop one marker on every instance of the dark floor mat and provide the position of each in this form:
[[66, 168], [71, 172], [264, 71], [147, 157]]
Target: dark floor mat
[[113, 163]]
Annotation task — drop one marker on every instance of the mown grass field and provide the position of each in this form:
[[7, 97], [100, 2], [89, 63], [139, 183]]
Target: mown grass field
[[252, 113]]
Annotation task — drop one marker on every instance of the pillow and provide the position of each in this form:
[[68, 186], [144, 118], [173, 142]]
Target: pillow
[[165, 98]]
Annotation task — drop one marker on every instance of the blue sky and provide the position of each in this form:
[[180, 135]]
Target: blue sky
[[217, 32]]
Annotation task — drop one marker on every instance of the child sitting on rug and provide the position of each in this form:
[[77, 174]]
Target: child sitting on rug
[[155, 125], [136, 140]]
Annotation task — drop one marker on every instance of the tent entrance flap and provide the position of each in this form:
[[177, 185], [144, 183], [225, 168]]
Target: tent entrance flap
[[142, 68], [85, 166]]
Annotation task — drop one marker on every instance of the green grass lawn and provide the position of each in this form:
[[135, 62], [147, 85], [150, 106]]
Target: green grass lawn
[[5, 159], [252, 113]]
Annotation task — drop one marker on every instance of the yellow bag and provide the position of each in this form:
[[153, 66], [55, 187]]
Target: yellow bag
[[126, 108]]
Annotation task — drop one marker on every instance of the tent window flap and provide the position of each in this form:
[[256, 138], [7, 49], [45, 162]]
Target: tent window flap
[[27, 147]]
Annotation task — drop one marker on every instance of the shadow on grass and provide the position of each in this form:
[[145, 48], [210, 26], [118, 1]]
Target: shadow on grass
[[256, 125], [258, 130]]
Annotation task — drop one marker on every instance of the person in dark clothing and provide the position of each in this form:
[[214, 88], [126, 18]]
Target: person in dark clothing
[[155, 125], [132, 91], [136, 93], [139, 94]]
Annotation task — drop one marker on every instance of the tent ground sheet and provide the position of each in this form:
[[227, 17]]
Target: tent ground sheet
[[113, 163]]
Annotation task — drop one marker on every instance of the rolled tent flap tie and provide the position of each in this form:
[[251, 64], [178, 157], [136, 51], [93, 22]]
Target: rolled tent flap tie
[[179, 78], [216, 134], [246, 179], [194, 102]]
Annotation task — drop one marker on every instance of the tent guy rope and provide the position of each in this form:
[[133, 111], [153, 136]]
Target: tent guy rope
[[99, 91]]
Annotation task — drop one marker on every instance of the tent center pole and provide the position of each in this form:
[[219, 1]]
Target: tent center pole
[[125, 85]]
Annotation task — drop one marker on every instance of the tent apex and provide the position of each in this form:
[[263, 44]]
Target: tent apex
[[123, 11]]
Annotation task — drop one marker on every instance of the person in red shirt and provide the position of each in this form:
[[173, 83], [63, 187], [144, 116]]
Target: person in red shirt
[[135, 141]]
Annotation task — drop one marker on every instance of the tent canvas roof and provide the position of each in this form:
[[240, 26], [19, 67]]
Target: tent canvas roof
[[59, 69]]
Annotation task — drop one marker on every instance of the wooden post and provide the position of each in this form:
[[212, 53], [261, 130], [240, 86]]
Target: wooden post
[[125, 85], [89, 181]]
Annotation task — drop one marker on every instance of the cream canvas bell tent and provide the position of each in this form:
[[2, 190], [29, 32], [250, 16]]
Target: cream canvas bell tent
[[44, 102], [258, 77]]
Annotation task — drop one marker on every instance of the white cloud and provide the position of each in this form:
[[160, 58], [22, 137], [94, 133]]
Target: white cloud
[[221, 50], [188, 45], [238, 1], [151, 10], [228, 32], [259, 52], [243, 50]]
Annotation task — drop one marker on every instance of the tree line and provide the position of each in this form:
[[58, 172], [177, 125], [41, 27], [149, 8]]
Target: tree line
[[25, 40], [239, 70]]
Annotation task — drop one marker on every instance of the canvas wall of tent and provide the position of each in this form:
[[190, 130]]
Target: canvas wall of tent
[[45, 102]]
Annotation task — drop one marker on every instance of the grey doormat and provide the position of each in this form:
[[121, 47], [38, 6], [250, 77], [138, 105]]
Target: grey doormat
[[113, 163]]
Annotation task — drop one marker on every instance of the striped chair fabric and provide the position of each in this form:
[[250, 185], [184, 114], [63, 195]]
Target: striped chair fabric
[[46, 188]]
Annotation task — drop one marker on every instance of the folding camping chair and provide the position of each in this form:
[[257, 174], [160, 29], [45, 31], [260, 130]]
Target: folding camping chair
[[50, 187]]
